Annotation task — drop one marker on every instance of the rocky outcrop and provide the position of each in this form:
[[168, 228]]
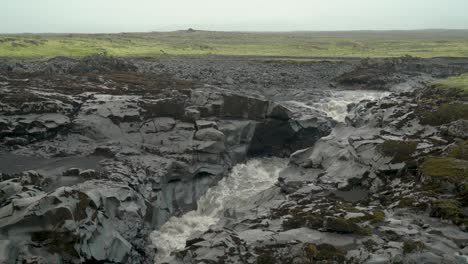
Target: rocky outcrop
[[385, 73], [373, 191], [160, 149]]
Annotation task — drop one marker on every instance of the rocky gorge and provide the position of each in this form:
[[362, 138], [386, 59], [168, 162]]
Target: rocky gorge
[[106, 160]]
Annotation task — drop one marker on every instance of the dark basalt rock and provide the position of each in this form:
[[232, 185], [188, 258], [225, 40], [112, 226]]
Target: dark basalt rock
[[384, 73], [414, 179], [162, 142], [160, 151]]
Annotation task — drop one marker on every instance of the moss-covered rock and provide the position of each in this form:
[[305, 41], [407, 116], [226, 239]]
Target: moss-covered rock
[[373, 217], [344, 226], [448, 174], [378, 216], [303, 219], [449, 168], [411, 246], [450, 210], [444, 114], [457, 83], [400, 151], [463, 193], [460, 151], [406, 202], [324, 253], [442, 103]]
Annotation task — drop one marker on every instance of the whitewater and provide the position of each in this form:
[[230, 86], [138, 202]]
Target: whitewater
[[244, 181]]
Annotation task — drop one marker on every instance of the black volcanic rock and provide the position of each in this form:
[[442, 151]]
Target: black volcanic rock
[[155, 160]]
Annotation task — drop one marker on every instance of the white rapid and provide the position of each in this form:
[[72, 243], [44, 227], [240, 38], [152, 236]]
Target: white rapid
[[335, 103], [245, 180]]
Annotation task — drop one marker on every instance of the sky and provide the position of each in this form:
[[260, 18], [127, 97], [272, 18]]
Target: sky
[[99, 16]]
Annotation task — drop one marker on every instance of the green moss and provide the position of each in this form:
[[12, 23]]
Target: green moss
[[314, 220], [378, 216], [310, 251], [449, 175], [449, 210], [445, 113], [463, 193], [303, 219], [460, 151], [411, 246], [400, 151], [456, 82], [330, 254], [406, 202], [345, 226], [449, 168]]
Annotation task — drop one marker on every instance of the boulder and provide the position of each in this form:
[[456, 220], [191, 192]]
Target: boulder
[[209, 134], [457, 129]]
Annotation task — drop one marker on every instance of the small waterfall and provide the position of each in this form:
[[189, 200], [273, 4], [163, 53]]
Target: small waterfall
[[244, 181], [335, 103]]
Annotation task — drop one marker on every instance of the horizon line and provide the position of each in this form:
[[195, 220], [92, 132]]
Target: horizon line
[[239, 31]]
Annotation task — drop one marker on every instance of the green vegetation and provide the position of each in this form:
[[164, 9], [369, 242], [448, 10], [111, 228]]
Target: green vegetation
[[411, 246], [445, 113], [325, 253], [449, 210], [456, 82], [446, 102], [310, 253], [294, 44], [329, 221], [345, 226], [447, 167], [400, 151], [448, 174], [378, 216], [460, 151]]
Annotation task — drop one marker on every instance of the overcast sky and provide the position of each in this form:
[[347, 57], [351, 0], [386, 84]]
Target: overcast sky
[[18, 16]]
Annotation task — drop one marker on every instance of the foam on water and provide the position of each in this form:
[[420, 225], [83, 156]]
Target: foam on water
[[245, 180], [335, 103]]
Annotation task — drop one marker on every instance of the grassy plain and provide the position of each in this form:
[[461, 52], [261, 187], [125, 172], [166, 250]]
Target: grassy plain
[[424, 43]]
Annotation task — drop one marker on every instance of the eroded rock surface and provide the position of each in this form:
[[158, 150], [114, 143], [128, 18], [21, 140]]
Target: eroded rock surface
[[161, 143], [386, 186], [112, 148]]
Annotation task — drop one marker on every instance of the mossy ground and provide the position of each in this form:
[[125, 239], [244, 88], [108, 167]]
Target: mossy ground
[[460, 151], [411, 246], [445, 113], [309, 254], [333, 220], [295, 44], [452, 167], [448, 168], [457, 83], [446, 101], [449, 209], [448, 174], [400, 151]]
